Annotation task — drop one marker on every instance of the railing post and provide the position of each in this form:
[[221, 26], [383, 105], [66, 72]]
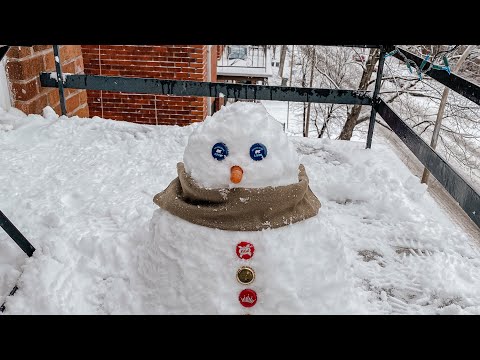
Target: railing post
[[16, 235], [3, 51], [378, 82], [58, 68]]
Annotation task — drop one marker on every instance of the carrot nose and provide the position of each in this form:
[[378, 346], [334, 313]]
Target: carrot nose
[[236, 174]]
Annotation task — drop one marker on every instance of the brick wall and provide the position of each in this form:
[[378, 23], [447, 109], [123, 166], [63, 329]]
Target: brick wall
[[24, 64], [219, 51], [176, 62], [213, 59]]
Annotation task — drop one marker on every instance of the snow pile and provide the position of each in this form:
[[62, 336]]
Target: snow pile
[[190, 269], [81, 191], [239, 126]]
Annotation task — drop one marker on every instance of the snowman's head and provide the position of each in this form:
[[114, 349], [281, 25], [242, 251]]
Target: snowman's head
[[241, 145]]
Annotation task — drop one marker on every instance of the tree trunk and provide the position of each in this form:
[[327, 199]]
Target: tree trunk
[[283, 54], [441, 109], [326, 121], [290, 79], [312, 67], [347, 131], [304, 84]]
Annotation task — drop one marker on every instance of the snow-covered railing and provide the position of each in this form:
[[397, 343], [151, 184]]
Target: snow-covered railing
[[454, 183]]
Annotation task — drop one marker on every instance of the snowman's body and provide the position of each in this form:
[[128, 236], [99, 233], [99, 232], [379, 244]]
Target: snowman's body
[[192, 269]]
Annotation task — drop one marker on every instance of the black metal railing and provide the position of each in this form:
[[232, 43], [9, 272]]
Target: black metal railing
[[453, 182], [3, 51]]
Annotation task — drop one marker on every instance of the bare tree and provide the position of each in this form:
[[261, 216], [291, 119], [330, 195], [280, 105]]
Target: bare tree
[[283, 53], [352, 117], [415, 100], [312, 68], [441, 109]]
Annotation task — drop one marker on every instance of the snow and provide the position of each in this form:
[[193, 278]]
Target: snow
[[244, 71], [53, 75], [81, 191], [4, 89], [239, 126]]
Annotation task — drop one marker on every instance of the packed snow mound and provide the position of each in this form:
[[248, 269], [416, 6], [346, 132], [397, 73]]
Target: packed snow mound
[[239, 127], [190, 269], [81, 190]]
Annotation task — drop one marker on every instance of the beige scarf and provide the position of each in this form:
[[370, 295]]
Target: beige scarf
[[239, 209]]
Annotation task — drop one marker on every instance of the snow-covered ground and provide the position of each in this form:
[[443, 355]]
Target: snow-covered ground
[[81, 191]]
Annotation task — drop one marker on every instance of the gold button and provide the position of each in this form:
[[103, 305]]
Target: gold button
[[245, 275]]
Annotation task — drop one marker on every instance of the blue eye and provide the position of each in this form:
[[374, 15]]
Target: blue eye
[[219, 151], [258, 152]]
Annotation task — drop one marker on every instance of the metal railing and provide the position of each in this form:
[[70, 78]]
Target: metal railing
[[450, 179], [5, 223]]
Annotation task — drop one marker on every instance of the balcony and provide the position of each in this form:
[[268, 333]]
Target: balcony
[[247, 64]]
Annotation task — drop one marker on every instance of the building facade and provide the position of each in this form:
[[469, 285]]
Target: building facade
[[176, 62]]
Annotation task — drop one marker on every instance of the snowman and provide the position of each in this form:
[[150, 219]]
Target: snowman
[[236, 232]]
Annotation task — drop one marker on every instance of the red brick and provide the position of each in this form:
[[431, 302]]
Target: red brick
[[68, 68], [33, 106], [57, 109], [41, 47], [197, 56], [25, 69], [49, 61], [53, 97], [19, 52], [78, 65], [82, 112], [69, 92], [90, 47], [25, 91], [69, 52], [162, 62], [72, 102]]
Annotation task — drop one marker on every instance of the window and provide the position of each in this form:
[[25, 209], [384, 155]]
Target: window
[[237, 52]]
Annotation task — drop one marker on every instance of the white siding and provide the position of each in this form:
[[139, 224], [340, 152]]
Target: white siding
[[5, 102]]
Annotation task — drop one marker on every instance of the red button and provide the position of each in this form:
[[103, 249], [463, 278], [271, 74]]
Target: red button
[[245, 250], [247, 298]]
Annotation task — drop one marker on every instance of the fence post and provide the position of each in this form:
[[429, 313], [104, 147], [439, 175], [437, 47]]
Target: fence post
[[3, 51], [378, 82], [16, 235], [58, 68]]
